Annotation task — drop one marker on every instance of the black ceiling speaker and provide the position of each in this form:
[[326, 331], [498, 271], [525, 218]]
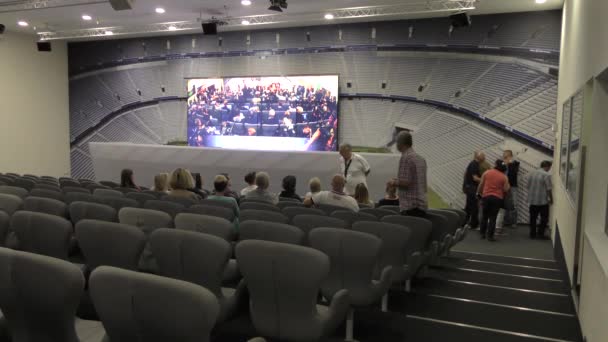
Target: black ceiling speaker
[[460, 20], [121, 5], [44, 46], [210, 28], [2, 28]]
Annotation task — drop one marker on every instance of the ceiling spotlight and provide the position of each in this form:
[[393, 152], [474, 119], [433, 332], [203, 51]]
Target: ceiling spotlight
[[246, 2], [245, 22], [109, 33], [86, 17], [23, 23], [541, 1], [172, 28], [160, 10], [329, 16], [277, 5]]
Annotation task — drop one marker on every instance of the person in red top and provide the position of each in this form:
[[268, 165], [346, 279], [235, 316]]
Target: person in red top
[[493, 187]]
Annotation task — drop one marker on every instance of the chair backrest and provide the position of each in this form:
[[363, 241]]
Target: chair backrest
[[157, 194], [47, 193], [42, 233], [6, 180], [144, 307], [193, 257], [13, 190], [378, 212], [140, 197], [270, 231], [394, 242], [24, 183], [39, 296], [126, 190], [328, 208], [45, 205], [461, 213], [170, 208], [283, 282], [310, 222], [262, 215], [110, 184], [110, 244], [351, 217], [4, 226], [259, 206], [118, 202], [217, 203], [440, 226], [291, 212], [81, 197], [394, 208], [49, 182], [453, 219], [107, 193], [284, 204], [91, 211], [47, 185], [211, 210], [94, 186], [67, 189], [186, 202], [71, 183], [147, 220], [211, 225], [353, 256], [10, 203], [421, 229]]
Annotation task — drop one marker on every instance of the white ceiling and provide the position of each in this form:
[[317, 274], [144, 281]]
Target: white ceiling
[[143, 13]]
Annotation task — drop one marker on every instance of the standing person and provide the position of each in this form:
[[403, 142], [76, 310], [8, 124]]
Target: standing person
[[126, 179], [492, 190], [412, 179], [472, 177], [508, 215], [539, 199], [353, 167]]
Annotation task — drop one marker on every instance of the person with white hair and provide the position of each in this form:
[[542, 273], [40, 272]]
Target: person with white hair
[[261, 193], [335, 197], [353, 167]]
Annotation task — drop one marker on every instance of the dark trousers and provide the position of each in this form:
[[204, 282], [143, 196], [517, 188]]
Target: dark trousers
[[535, 210], [417, 212], [472, 208], [490, 206]]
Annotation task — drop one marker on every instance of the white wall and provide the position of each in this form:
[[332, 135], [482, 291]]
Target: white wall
[[34, 134], [584, 55]]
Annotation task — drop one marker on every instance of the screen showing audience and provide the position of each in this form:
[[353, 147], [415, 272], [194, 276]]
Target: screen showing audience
[[291, 113]]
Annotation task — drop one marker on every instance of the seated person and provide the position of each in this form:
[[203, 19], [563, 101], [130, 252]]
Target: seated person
[[335, 197], [220, 186], [314, 184], [198, 186], [161, 183], [391, 197], [262, 180], [181, 181], [250, 180], [229, 192], [362, 196], [126, 179], [289, 188]]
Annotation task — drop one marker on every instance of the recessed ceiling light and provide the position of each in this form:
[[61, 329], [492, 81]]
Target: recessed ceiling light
[[329, 16], [86, 17], [246, 2], [23, 23], [245, 22], [160, 10], [109, 33], [172, 28], [541, 1]]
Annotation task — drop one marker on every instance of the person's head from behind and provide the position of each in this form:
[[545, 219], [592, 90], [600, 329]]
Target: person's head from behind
[[391, 190], [126, 178], [198, 180], [507, 156], [314, 185], [262, 180], [181, 179], [500, 165], [161, 182], [227, 177], [250, 178], [480, 156], [337, 183], [289, 184], [361, 193], [546, 165], [404, 141], [346, 151], [220, 184]]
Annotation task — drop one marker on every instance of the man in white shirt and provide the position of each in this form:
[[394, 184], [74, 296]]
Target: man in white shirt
[[353, 167], [335, 197]]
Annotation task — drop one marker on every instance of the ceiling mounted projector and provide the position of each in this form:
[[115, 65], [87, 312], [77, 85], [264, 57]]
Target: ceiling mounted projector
[[277, 5]]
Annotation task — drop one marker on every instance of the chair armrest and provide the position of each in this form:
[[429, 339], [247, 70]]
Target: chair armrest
[[340, 304], [382, 285]]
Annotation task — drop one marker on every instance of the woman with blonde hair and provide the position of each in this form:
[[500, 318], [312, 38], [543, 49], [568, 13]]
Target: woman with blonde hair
[[181, 181], [362, 196], [161, 182], [314, 184]]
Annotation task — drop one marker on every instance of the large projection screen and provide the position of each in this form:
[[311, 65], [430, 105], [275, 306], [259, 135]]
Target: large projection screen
[[273, 113]]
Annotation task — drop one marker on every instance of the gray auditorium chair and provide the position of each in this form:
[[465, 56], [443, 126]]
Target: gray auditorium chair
[[283, 282], [157, 194], [110, 244], [107, 193], [270, 231], [70, 183], [46, 193], [147, 220], [24, 183], [170, 208], [289, 199], [351, 217], [46, 181], [186, 202], [197, 258], [109, 184], [47, 186], [353, 257], [309, 222], [439, 237], [216, 203], [94, 186], [10, 203], [45, 205], [328, 208], [67, 189], [462, 230], [207, 224], [4, 227], [125, 190], [211, 210], [13, 190], [6, 180], [394, 208], [43, 234], [284, 204], [118, 202], [39, 297], [394, 242], [417, 251], [259, 206], [379, 213], [291, 212], [144, 307], [140, 197], [453, 223], [79, 196], [262, 215], [91, 211]]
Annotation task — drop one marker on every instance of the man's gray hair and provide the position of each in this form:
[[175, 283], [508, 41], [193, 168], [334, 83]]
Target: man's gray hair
[[404, 138], [262, 180], [345, 147]]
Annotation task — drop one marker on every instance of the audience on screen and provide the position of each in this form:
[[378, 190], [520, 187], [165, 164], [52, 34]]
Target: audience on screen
[[362, 196], [335, 197], [289, 188], [220, 189], [126, 179], [250, 180], [181, 183], [314, 184], [161, 183], [262, 180], [391, 197]]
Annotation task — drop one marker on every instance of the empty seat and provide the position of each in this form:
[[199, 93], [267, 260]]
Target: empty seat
[[44, 234], [67, 189], [283, 282], [217, 203], [45, 205], [91, 211], [147, 220], [157, 194], [126, 190], [107, 193], [439, 235], [197, 258], [47, 193], [6, 180], [24, 183], [289, 199], [10, 203], [70, 183], [262, 215], [351, 217], [452, 225], [94, 186], [170, 208], [379, 213], [4, 227], [211, 210], [118, 202], [270, 231], [206, 224], [186, 202], [110, 244], [110, 184], [394, 208], [259, 206], [291, 212], [13, 190], [79, 196], [328, 208], [141, 198], [284, 204], [144, 307], [309, 222]]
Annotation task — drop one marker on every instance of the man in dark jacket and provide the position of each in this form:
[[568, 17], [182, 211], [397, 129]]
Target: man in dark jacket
[[508, 216], [472, 176]]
